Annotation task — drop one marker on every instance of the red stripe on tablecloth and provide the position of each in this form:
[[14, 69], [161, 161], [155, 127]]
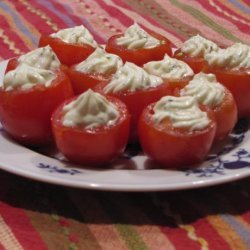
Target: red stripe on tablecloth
[[115, 13], [36, 20], [180, 239], [226, 6], [13, 36], [2, 247], [55, 18], [21, 227], [241, 26], [150, 20]]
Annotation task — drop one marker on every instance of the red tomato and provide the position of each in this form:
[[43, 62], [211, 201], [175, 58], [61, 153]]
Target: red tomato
[[195, 63], [12, 64], [67, 53], [96, 146], [140, 56], [25, 114], [238, 82], [83, 81], [226, 116], [174, 147], [137, 101], [177, 85]]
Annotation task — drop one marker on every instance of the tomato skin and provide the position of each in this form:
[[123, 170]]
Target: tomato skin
[[173, 147], [68, 54], [238, 83], [81, 81], [96, 147], [137, 101], [226, 116], [195, 63], [25, 114], [140, 56], [12, 64], [176, 85]]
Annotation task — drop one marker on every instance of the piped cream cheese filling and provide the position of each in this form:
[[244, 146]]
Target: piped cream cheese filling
[[25, 77], [131, 78], [90, 110], [183, 112], [43, 58], [234, 57], [137, 38], [198, 46], [100, 62], [206, 89], [76, 35], [169, 68]]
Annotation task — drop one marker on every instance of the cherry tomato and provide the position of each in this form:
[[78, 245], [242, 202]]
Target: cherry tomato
[[96, 146], [225, 115], [83, 81], [140, 56], [12, 64], [238, 83], [67, 53], [25, 114], [195, 63], [137, 101], [175, 85], [174, 147]]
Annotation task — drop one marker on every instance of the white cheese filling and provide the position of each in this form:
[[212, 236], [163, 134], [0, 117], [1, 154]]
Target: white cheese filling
[[206, 89], [43, 58], [183, 112], [90, 110], [131, 77], [100, 62], [25, 77], [234, 57], [198, 46], [137, 38], [169, 68], [76, 35]]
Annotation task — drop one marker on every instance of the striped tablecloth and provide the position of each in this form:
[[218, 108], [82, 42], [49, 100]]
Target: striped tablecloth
[[38, 216]]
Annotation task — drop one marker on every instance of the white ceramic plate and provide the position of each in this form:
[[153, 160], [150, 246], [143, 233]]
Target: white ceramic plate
[[133, 171]]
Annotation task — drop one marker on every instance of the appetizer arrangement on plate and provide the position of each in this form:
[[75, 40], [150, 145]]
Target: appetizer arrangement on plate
[[93, 102]]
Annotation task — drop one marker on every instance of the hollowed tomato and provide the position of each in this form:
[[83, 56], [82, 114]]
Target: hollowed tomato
[[96, 146]]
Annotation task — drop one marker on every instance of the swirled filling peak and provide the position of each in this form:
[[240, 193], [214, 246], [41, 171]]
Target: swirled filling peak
[[198, 46], [183, 112], [206, 89], [130, 78], [234, 57], [90, 110], [169, 68], [137, 38], [25, 77], [76, 35], [100, 62], [43, 58]]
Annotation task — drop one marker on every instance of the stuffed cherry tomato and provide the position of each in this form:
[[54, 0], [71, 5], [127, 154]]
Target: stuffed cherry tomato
[[28, 98], [232, 68], [209, 92], [98, 67], [177, 73], [138, 46], [71, 45], [176, 132], [91, 129], [193, 51], [137, 89]]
